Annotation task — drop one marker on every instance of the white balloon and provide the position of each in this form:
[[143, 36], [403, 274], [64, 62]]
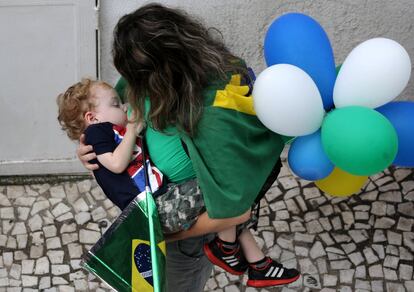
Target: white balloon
[[287, 101], [374, 73]]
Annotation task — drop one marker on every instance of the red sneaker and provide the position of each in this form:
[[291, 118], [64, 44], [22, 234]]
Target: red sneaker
[[232, 261], [272, 274]]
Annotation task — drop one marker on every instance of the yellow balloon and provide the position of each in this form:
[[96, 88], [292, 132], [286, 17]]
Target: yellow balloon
[[340, 183]]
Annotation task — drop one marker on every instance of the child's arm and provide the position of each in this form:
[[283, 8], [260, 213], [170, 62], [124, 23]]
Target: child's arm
[[118, 160]]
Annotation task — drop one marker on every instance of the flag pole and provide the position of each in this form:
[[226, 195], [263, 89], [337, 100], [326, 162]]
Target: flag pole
[[150, 212]]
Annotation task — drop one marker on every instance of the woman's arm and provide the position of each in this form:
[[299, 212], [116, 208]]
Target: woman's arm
[[85, 154], [205, 225]]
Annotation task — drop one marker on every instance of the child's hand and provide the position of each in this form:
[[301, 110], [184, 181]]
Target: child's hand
[[135, 121]]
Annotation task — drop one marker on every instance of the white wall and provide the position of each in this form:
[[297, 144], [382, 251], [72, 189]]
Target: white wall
[[244, 23]]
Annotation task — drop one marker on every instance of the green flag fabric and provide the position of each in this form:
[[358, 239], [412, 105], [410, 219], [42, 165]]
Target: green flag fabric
[[130, 256], [233, 152]]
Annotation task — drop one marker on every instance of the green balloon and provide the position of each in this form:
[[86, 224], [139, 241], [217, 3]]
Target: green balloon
[[359, 140]]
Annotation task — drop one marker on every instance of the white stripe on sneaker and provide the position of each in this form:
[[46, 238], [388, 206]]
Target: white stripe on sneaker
[[228, 257], [269, 272], [280, 273], [275, 272], [232, 260]]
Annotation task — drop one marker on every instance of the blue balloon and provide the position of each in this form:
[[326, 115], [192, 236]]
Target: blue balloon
[[401, 116], [299, 40], [307, 159]]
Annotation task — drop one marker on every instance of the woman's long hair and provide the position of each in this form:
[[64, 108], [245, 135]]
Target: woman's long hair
[[168, 56]]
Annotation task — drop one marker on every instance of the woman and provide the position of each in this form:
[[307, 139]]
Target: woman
[[201, 128]]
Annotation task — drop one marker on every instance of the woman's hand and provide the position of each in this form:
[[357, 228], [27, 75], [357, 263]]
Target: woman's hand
[[85, 154]]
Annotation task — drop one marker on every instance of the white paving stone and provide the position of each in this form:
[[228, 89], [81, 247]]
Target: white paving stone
[[39, 206], [317, 250], [15, 271], [405, 272], [45, 282], [53, 243], [82, 218], [4, 201], [42, 266], [14, 192], [56, 256], [57, 192], [384, 223], [23, 213], [307, 267], [24, 201], [58, 270], [60, 209], [356, 258], [370, 256], [65, 217], [29, 281], [395, 287], [379, 208], [35, 223], [330, 280], [81, 206], [409, 285], [379, 249], [88, 236], [20, 255], [71, 191], [377, 286], [7, 213], [28, 266], [391, 262], [19, 228], [394, 238], [69, 237], [36, 251], [358, 236], [360, 272], [84, 186], [406, 209], [59, 281], [375, 271], [281, 226], [390, 274]]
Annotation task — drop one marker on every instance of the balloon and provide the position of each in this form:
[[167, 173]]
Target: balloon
[[359, 140], [287, 101], [307, 159], [299, 40], [401, 116], [374, 73], [340, 183]]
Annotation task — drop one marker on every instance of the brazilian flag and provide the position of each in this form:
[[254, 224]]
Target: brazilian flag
[[130, 256]]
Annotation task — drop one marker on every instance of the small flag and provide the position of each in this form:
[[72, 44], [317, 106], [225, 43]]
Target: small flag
[[122, 257]]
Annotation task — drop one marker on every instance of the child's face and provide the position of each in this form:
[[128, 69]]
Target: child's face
[[109, 107]]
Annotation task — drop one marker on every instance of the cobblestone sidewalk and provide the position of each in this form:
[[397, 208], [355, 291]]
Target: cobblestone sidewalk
[[359, 243]]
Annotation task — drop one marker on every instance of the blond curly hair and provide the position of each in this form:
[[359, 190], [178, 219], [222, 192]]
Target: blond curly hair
[[73, 105]]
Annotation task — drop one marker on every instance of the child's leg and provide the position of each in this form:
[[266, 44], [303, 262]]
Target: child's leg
[[228, 235], [251, 250]]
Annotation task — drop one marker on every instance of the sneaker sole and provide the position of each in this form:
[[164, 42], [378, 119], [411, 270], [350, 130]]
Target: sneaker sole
[[219, 262], [267, 283]]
